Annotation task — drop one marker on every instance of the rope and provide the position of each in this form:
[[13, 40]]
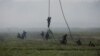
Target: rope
[[65, 20], [49, 8], [49, 16], [52, 35]]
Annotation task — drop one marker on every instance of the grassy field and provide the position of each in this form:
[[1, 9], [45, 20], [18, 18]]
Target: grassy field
[[47, 48], [33, 47]]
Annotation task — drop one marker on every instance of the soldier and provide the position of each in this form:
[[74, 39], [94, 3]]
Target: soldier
[[18, 36], [24, 34], [47, 36], [64, 40], [42, 34], [49, 21], [91, 44], [79, 42]]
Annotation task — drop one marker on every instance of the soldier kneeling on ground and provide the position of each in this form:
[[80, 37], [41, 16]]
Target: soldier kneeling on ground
[[79, 42], [64, 40], [91, 44]]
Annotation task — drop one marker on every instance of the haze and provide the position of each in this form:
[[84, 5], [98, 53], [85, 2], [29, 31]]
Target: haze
[[33, 13]]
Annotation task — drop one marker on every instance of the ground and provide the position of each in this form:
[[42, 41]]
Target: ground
[[40, 48], [33, 47]]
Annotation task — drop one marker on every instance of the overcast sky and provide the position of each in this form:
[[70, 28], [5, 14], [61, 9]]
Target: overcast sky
[[33, 13]]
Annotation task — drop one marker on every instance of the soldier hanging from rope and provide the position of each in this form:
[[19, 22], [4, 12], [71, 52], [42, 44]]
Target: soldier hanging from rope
[[64, 39], [47, 36], [49, 21]]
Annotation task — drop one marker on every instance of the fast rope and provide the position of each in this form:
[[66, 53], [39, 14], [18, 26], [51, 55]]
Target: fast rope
[[65, 20], [49, 8], [49, 20]]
